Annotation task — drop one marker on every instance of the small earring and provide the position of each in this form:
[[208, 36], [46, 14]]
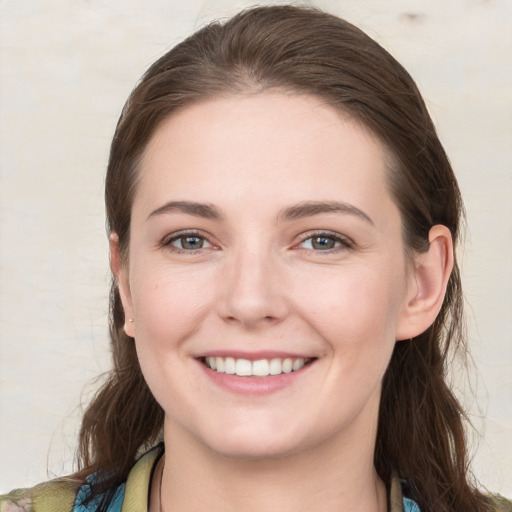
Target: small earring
[[130, 320]]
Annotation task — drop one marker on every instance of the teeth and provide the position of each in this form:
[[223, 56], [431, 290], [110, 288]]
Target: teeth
[[243, 367], [297, 365], [259, 368], [287, 365], [229, 366], [275, 366]]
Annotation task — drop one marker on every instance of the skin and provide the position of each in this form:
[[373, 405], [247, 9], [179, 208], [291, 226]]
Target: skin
[[334, 286]]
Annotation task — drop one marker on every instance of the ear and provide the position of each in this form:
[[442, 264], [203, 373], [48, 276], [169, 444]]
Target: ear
[[427, 284], [120, 273]]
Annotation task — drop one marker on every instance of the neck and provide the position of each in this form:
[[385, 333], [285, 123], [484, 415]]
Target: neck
[[327, 478]]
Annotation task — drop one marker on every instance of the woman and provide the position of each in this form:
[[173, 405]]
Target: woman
[[282, 223]]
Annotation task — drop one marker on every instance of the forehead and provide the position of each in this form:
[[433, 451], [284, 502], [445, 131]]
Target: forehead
[[289, 147]]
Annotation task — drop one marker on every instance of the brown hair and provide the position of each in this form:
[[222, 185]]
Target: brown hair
[[420, 431]]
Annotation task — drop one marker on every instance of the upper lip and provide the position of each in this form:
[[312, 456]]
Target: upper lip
[[254, 356]]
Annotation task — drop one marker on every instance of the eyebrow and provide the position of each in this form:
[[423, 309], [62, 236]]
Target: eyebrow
[[310, 208], [207, 211], [298, 211]]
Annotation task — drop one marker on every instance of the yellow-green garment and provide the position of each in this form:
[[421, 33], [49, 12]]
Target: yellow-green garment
[[64, 495]]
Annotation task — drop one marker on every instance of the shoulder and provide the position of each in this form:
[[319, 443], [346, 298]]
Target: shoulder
[[501, 504], [54, 496], [61, 495], [72, 495]]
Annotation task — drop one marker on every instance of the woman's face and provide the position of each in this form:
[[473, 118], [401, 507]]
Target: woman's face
[[264, 241]]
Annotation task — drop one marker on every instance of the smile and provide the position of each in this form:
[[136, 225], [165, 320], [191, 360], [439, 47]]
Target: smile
[[258, 368]]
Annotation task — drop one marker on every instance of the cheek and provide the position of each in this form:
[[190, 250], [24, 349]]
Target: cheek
[[169, 309], [357, 317], [168, 305], [357, 309]]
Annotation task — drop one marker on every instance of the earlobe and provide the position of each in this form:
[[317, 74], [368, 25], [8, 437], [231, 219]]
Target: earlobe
[[428, 283], [120, 273]]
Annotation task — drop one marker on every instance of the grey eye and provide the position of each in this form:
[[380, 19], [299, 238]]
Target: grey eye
[[189, 242], [321, 243]]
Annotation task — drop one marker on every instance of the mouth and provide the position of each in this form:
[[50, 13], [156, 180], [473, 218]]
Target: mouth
[[257, 368]]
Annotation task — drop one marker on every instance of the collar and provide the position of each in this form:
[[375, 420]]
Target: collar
[[138, 483]]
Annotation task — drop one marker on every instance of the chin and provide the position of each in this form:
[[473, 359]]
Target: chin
[[252, 444], [253, 451]]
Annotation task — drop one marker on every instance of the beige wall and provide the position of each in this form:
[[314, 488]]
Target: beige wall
[[66, 69]]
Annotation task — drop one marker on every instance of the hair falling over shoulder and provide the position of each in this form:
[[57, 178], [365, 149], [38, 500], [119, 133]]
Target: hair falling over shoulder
[[421, 424]]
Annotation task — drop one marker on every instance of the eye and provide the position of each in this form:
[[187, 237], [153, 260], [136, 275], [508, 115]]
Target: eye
[[187, 242], [325, 242]]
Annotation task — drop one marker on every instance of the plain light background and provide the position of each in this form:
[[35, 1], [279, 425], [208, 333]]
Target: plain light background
[[67, 67]]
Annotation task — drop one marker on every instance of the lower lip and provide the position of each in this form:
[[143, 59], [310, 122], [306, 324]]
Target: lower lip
[[254, 385]]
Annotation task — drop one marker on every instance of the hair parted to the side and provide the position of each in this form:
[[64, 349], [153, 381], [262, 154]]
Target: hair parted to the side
[[420, 432]]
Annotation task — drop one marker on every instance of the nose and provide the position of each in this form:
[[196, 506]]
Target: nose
[[253, 290]]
